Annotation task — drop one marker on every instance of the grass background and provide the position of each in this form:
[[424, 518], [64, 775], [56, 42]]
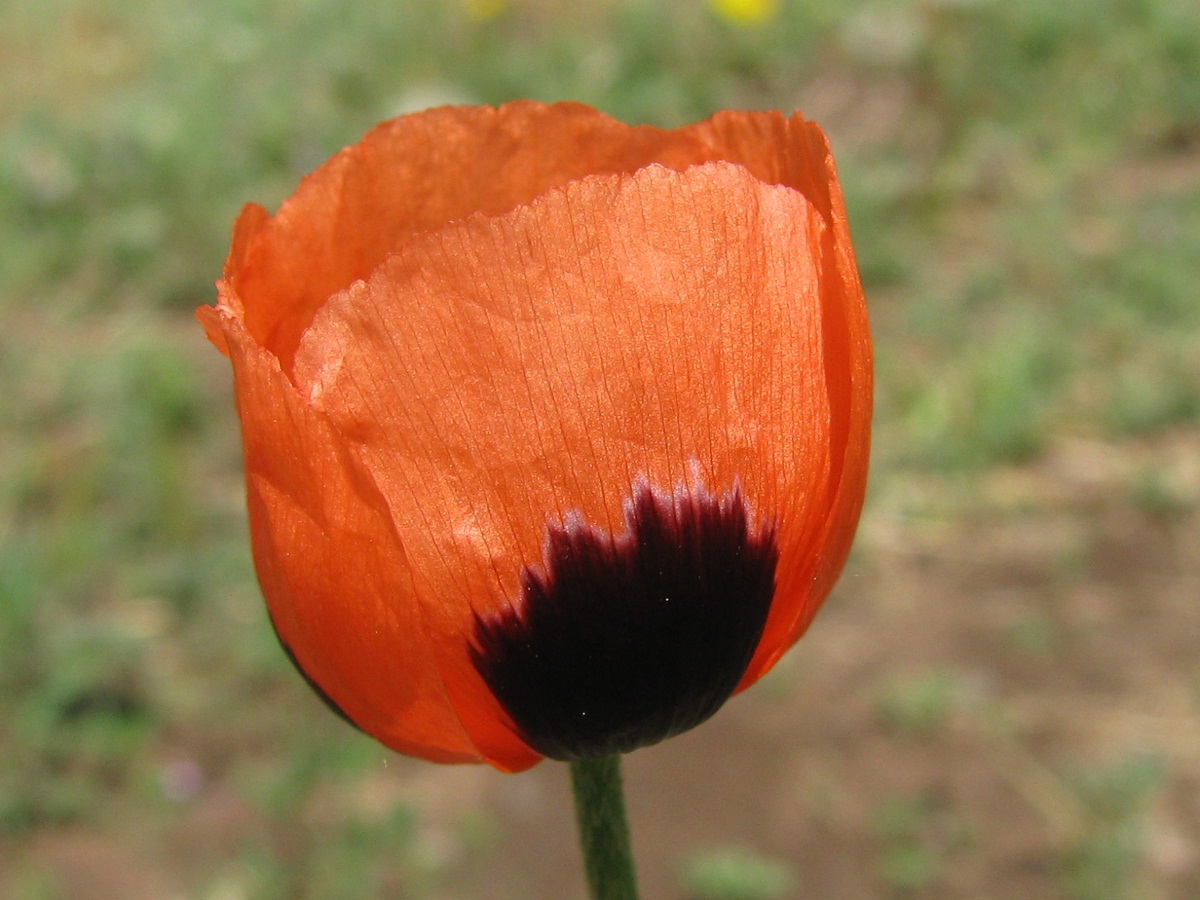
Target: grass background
[[1023, 183]]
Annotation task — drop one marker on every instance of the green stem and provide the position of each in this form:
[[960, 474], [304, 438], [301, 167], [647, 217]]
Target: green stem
[[603, 829]]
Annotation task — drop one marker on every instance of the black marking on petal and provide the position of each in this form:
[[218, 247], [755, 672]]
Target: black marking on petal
[[316, 688], [623, 641]]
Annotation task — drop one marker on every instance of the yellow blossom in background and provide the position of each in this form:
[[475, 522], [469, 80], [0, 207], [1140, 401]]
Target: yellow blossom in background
[[744, 12], [482, 10]]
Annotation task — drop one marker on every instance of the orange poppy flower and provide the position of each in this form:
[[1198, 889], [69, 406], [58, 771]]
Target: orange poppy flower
[[555, 429]]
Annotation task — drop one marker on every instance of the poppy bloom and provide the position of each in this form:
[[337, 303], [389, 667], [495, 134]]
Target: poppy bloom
[[555, 429]]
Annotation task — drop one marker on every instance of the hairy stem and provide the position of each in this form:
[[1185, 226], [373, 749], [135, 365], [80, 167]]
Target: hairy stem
[[603, 828]]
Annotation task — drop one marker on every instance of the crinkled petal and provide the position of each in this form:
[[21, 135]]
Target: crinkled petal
[[333, 569], [502, 373]]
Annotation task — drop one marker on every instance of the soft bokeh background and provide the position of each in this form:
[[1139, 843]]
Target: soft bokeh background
[[1001, 700]]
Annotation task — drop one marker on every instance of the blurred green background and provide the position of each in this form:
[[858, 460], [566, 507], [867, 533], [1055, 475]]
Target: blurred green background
[[1002, 699]]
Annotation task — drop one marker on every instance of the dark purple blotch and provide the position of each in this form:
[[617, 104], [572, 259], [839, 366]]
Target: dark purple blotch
[[623, 641]]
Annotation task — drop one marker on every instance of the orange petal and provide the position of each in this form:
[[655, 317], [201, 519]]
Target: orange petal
[[498, 374], [413, 174], [334, 572], [848, 380]]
